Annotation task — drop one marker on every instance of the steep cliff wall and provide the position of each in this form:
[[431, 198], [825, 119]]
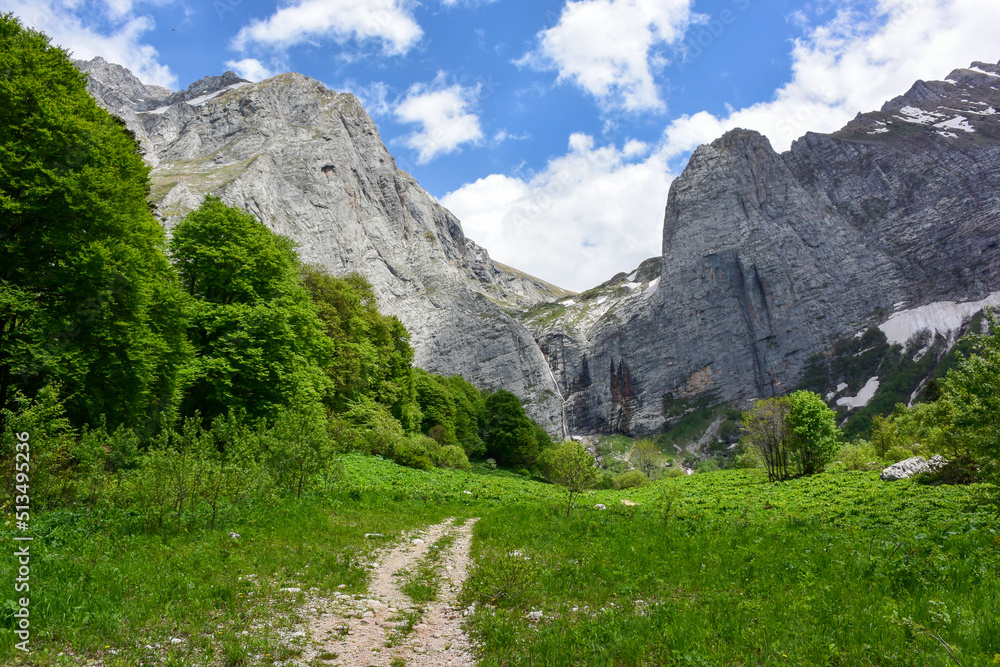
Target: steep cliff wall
[[768, 259], [310, 163]]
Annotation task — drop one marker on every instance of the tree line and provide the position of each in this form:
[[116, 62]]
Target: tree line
[[199, 370]]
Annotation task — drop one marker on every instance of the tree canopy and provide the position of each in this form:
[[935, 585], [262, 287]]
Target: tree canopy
[[87, 298], [795, 434], [258, 339]]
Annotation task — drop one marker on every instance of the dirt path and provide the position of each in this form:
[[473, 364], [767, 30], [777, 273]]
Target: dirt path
[[358, 631]]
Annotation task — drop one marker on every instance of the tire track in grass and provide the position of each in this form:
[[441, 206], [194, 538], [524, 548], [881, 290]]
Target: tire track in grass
[[386, 627]]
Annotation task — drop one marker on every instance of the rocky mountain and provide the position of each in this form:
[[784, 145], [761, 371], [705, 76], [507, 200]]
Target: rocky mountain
[[309, 163], [768, 259]]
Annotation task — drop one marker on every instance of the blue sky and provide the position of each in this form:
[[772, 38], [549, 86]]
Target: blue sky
[[552, 128]]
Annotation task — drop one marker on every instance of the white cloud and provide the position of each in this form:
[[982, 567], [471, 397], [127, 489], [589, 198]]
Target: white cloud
[[251, 69], [599, 210], [609, 48], [86, 35], [390, 21], [444, 113], [588, 215], [856, 63]]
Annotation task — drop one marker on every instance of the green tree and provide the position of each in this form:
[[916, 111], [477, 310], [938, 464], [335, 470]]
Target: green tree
[[437, 406], [573, 467], [299, 447], [764, 431], [645, 456], [259, 342], [811, 428], [971, 396], [511, 437], [87, 297], [371, 353], [469, 414]]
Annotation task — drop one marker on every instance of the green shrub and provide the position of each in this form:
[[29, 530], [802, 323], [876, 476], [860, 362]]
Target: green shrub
[[749, 459], [573, 468], [52, 442], [898, 453], [708, 465], [676, 472], [859, 455], [812, 431], [631, 479], [453, 456], [412, 453], [607, 480], [378, 432]]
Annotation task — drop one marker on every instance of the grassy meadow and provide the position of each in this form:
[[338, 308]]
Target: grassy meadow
[[721, 568]]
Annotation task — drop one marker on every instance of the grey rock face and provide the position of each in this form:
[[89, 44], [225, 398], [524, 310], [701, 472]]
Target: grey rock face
[[309, 163], [768, 258], [912, 466]]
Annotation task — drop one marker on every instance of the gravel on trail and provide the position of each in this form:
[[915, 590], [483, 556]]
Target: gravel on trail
[[361, 630]]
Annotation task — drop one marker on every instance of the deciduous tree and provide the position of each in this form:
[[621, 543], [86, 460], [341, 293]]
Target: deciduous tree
[[573, 468], [87, 297]]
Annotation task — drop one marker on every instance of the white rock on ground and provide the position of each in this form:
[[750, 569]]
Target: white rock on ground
[[912, 466]]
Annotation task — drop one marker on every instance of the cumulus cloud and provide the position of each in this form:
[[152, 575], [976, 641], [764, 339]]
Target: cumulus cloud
[[445, 115], [251, 69], [855, 63], [598, 210], [118, 39], [388, 21], [587, 215], [610, 48]]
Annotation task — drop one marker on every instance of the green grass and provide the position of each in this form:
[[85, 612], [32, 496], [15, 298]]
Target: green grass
[[834, 570], [100, 589], [721, 569]]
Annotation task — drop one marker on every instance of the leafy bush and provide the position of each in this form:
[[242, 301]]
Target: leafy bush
[[673, 473], [708, 465], [859, 456], [971, 402], [453, 456], [795, 434], [645, 456], [299, 446], [52, 441], [897, 453], [511, 437], [378, 432], [749, 459], [812, 431], [412, 452], [631, 479]]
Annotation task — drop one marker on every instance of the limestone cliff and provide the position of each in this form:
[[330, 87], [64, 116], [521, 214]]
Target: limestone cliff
[[768, 259], [309, 163]]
